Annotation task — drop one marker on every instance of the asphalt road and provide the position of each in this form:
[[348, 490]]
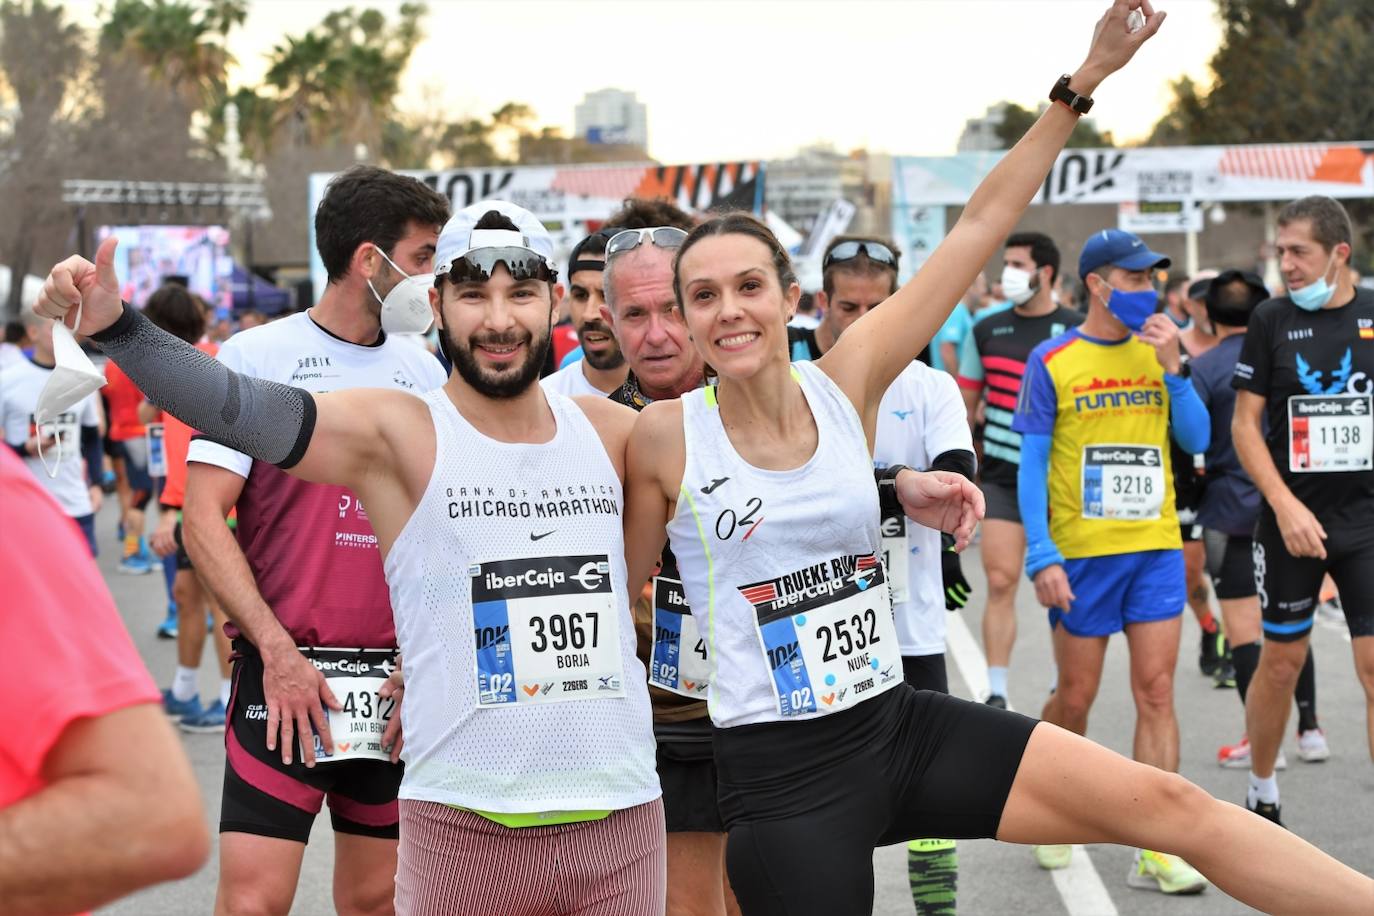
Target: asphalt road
[[1330, 804]]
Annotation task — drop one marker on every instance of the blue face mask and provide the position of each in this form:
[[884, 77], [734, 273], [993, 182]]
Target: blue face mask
[[1131, 309], [1314, 296]]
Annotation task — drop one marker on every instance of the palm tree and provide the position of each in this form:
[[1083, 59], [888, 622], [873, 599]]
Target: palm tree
[[179, 44], [339, 80]]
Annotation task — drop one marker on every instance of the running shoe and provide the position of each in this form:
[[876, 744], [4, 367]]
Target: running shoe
[[1267, 810], [1168, 874], [1053, 856], [144, 551], [206, 721], [1224, 678], [996, 700], [1237, 756], [1213, 651], [168, 628], [180, 709], [135, 564], [1312, 746]]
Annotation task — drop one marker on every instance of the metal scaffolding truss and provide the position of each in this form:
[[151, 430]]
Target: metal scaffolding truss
[[245, 197]]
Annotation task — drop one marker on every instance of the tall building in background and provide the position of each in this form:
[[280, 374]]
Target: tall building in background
[[612, 116], [980, 134]]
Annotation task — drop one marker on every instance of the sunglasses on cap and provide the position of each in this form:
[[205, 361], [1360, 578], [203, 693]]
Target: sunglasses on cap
[[666, 237], [848, 251], [477, 266]]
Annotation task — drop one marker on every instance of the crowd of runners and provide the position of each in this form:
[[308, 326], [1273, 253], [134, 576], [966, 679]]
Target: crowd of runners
[[541, 653]]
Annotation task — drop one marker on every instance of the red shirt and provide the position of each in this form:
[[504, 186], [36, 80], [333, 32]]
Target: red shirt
[[124, 397], [67, 655], [564, 342]]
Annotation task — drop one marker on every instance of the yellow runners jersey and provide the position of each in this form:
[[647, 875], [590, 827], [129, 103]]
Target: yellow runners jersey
[[1106, 410]]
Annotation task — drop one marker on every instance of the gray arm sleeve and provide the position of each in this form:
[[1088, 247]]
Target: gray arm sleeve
[[266, 420]]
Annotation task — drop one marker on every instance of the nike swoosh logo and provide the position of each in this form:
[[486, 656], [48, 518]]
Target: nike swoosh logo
[[540, 537], [715, 483]]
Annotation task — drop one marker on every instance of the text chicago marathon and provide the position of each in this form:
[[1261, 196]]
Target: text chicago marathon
[[558, 502]]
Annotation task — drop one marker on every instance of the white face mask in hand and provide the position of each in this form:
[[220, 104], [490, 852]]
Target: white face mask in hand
[[405, 310], [73, 377]]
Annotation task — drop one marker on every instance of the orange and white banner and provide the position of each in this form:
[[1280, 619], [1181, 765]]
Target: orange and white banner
[[1254, 172]]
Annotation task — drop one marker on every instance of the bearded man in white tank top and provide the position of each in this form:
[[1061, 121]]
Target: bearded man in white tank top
[[529, 784]]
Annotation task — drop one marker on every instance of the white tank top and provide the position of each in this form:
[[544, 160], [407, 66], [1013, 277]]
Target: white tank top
[[523, 692], [781, 568]]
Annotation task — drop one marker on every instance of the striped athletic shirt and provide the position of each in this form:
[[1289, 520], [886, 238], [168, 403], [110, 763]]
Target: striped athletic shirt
[[993, 360]]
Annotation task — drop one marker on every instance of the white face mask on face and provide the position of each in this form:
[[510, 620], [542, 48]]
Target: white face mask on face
[[73, 377], [1016, 285], [405, 310]]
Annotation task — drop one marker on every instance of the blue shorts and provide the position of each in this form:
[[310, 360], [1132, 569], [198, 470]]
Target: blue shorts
[[135, 454], [1113, 591]]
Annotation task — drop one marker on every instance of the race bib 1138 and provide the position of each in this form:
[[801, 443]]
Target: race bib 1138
[[1330, 432]]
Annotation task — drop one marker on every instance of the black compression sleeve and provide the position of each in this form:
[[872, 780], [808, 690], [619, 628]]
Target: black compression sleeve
[[265, 420], [958, 460]]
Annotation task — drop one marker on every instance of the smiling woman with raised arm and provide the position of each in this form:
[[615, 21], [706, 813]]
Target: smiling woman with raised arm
[[763, 485]]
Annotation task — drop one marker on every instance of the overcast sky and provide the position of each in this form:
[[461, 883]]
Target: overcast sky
[[738, 79]]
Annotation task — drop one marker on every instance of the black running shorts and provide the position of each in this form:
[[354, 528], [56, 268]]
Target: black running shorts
[[183, 558], [1289, 587], [1230, 563], [1000, 502], [265, 797], [687, 772], [904, 765]]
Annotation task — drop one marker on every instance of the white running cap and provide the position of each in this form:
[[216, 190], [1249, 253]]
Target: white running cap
[[459, 237]]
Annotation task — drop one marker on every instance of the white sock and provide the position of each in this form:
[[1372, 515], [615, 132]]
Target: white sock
[[224, 690], [184, 684], [1264, 789], [997, 680]]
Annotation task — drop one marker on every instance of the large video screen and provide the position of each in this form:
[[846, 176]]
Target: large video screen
[[148, 255]]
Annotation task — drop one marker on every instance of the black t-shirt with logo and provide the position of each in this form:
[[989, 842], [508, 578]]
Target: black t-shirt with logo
[[802, 346], [1318, 366]]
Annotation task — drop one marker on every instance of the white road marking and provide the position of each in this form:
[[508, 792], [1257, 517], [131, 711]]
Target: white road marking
[[1079, 885]]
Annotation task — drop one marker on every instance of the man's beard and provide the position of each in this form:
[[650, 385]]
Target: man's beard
[[612, 358], [509, 383]]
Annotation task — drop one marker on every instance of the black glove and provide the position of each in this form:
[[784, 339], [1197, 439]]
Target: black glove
[[957, 589]]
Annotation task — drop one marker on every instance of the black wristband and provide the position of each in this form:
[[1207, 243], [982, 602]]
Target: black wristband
[[888, 503], [956, 460], [1078, 104]]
